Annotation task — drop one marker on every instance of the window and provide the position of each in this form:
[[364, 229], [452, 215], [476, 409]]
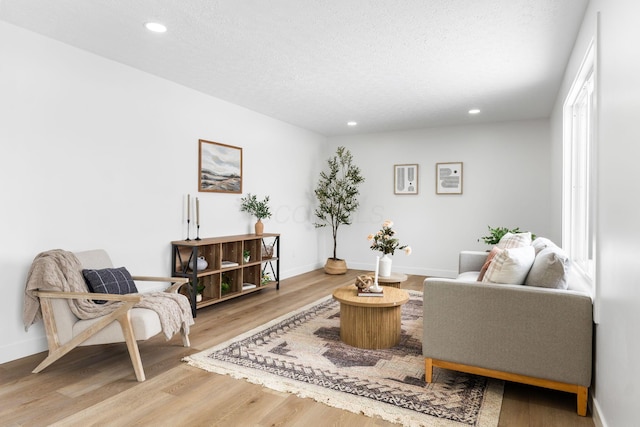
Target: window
[[579, 169]]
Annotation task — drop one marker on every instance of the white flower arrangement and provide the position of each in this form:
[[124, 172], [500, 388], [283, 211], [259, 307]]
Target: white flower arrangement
[[384, 241]]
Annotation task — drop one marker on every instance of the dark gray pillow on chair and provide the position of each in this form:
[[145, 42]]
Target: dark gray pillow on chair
[[110, 281]]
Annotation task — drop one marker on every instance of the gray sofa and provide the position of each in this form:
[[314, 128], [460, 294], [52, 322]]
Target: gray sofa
[[533, 335]]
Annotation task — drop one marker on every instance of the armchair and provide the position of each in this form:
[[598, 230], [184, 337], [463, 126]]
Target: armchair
[[127, 323]]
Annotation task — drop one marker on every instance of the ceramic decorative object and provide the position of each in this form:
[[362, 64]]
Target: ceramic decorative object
[[385, 266], [259, 227], [201, 264]]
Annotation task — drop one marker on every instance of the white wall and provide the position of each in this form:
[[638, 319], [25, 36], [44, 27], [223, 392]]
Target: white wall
[[100, 155], [617, 340], [505, 183]]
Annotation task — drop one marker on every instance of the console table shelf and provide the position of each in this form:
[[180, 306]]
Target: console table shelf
[[227, 274]]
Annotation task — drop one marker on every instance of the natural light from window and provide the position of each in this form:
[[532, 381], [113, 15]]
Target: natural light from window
[[579, 125]]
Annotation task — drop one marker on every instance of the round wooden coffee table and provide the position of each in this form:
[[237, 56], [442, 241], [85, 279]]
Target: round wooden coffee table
[[370, 322], [395, 279]]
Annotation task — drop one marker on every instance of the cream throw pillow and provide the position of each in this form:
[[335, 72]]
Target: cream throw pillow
[[510, 266], [515, 240]]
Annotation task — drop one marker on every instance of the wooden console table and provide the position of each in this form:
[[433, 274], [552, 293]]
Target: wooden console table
[[228, 273], [370, 322]]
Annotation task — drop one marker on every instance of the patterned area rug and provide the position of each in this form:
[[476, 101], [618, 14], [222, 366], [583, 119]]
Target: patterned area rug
[[301, 353]]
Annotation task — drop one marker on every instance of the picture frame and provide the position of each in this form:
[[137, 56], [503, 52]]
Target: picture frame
[[405, 179], [219, 167], [449, 178]]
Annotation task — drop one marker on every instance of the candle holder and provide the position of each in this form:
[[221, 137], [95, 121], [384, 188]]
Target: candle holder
[[198, 232], [188, 233], [375, 287]]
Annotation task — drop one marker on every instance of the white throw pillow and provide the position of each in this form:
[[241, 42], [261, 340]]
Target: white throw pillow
[[510, 266], [515, 240], [541, 243]]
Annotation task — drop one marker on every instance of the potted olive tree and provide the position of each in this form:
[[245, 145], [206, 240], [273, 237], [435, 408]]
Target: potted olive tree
[[257, 208], [337, 192]]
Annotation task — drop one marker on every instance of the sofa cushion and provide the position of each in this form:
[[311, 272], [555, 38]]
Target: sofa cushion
[[515, 240], [494, 251], [510, 266], [541, 243], [468, 276], [110, 281], [550, 269]]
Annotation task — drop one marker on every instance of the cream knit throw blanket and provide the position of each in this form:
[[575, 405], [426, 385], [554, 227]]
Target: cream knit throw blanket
[[59, 270]]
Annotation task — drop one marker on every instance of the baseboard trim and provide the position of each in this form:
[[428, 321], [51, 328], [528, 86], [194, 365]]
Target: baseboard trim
[[28, 347], [596, 413]]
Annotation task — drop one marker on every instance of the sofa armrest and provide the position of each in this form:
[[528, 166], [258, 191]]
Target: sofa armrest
[[471, 260], [539, 332]]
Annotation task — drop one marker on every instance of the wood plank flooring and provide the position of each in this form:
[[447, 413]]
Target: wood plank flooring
[[96, 385]]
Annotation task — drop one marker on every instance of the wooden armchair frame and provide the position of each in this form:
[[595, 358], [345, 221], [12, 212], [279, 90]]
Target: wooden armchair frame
[[120, 315]]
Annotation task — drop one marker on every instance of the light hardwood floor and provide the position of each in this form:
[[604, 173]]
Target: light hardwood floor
[[97, 386]]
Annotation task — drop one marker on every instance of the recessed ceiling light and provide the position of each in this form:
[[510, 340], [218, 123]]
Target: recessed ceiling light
[[352, 123], [156, 27], [474, 111]]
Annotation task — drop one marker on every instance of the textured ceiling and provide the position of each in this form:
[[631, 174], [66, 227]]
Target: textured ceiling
[[387, 64]]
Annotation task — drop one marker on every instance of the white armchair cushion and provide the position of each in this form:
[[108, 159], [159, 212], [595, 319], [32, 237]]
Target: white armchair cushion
[[145, 323]]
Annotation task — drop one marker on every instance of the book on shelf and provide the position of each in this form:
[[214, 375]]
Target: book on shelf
[[246, 286], [369, 293], [226, 264]]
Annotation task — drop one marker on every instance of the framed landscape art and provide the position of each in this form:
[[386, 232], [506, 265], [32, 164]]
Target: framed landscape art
[[449, 178], [219, 167], [405, 179]]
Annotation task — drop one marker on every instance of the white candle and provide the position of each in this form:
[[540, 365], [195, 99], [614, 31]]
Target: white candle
[[197, 211], [375, 280], [188, 207]]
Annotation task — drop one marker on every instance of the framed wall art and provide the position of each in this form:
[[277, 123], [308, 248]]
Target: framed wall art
[[405, 179], [449, 178], [219, 167]]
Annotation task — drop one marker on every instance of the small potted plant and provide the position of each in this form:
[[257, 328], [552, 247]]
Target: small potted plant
[[495, 234], [199, 290], [225, 286], [257, 208], [265, 278], [246, 255]]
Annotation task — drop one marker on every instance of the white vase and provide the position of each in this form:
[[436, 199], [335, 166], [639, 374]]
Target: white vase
[[385, 266], [200, 263]]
